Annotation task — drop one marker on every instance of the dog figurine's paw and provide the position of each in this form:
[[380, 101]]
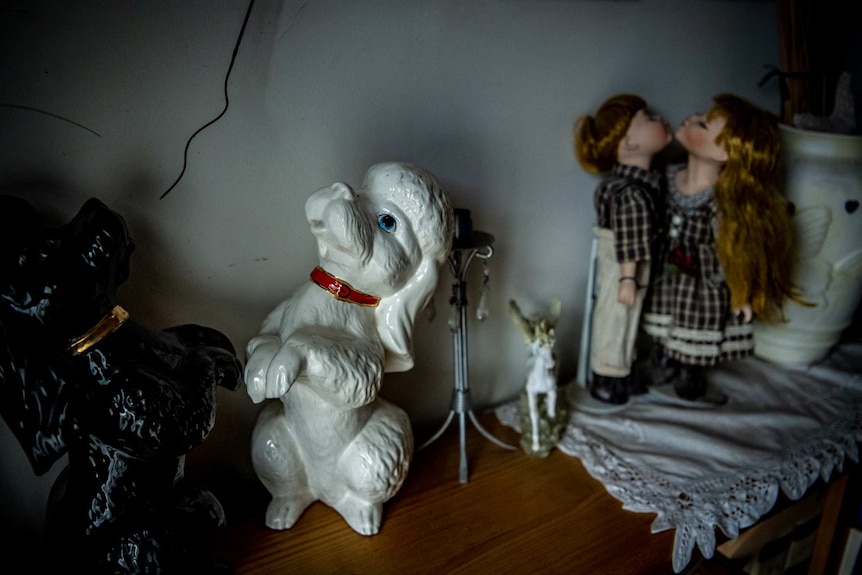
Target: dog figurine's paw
[[363, 516], [272, 368]]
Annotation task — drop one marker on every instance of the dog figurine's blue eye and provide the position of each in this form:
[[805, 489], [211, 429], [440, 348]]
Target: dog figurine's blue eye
[[386, 222]]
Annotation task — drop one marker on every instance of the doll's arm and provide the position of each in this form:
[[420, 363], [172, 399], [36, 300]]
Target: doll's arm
[[628, 283], [740, 291], [632, 226]]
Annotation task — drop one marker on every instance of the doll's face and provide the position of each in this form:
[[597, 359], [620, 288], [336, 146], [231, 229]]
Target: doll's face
[[699, 137], [648, 133]]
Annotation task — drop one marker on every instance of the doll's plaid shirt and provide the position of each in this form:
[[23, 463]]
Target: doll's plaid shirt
[[627, 202]]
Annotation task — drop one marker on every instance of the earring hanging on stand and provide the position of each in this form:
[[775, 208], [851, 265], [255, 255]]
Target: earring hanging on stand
[[482, 308]]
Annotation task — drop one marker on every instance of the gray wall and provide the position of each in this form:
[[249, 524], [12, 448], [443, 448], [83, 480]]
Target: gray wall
[[483, 93]]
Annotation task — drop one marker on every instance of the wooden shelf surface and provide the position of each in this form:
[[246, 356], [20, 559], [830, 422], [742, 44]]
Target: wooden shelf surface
[[516, 514]]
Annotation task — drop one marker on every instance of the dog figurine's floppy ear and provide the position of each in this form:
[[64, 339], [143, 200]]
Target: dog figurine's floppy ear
[[431, 218], [397, 313]]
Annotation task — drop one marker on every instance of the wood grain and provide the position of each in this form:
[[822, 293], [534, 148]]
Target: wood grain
[[517, 514]]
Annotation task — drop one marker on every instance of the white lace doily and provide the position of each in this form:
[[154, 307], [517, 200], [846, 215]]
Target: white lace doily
[[698, 469]]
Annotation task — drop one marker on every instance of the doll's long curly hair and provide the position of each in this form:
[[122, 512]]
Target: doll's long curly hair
[[755, 237], [598, 137]]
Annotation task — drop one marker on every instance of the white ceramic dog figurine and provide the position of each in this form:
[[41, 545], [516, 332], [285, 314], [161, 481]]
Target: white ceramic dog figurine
[[324, 350]]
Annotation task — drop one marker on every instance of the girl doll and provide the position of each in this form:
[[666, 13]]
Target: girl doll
[[620, 142], [729, 251]]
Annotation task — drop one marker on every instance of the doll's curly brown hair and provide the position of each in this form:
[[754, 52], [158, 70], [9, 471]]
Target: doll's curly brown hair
[[755, 239], [598, 137]]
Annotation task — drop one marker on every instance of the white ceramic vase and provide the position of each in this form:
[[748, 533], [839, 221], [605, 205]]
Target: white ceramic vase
[[823, 180]]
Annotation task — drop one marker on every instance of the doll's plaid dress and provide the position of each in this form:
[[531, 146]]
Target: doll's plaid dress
[[688, 310]]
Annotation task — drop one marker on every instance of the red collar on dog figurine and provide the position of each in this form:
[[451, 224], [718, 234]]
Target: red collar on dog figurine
[[105, 327], [342, 290]]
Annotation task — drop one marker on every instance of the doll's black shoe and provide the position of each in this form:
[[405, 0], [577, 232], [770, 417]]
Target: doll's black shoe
[[610, 389], [638, 383], [690, 383], [662, 369]]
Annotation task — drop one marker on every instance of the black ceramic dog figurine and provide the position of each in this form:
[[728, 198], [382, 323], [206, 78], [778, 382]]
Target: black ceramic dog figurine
[[126, 402]]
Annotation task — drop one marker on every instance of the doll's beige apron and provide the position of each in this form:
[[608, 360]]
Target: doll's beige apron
[[615, 326]]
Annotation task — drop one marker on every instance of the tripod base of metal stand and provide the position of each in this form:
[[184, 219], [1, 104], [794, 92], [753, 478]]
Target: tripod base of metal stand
[[475, 244], [461, 407]]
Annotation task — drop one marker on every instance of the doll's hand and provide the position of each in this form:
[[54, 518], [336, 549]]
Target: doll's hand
[[745, 311], [626, 292]]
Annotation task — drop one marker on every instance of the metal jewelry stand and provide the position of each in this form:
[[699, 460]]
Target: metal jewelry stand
[[478, 245]]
